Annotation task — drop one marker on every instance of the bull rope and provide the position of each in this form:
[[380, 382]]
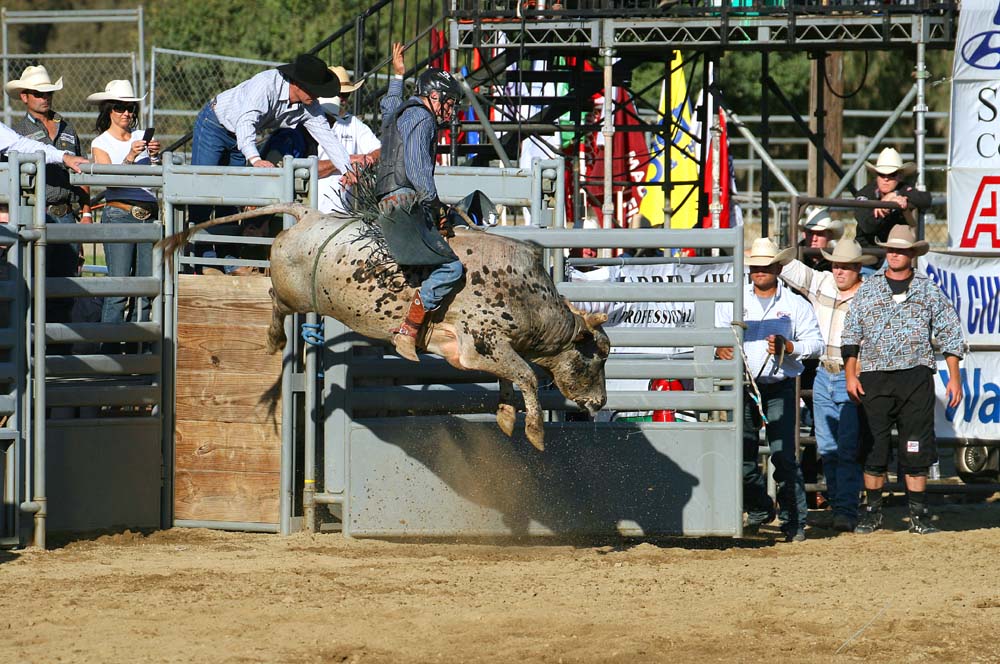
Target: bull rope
[[319, 253]]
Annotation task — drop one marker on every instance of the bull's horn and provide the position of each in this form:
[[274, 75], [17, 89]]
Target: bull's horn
[[593, 320]]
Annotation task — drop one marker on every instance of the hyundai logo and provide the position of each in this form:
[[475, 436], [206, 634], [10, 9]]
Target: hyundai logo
[[981, 52]]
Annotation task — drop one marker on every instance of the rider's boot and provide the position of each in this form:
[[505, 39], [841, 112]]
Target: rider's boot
[[405, 338]]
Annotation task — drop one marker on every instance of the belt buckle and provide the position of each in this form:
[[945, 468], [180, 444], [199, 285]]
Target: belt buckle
[[141, 213], [58, 209], [832, 366]]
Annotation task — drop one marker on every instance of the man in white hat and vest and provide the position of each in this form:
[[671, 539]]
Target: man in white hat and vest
[[889, 367], [64, 203], [819, 231], [874, 223], [835, 414], [781, 330], [356, 137]]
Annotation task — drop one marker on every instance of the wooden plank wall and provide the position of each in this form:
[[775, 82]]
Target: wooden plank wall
[[228, 432]]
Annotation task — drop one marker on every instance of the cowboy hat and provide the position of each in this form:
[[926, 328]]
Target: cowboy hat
[[765, 252], [34, 78], [848, 251], [901, 237], [890, 162], [115, 91], [311, 73], [819, 220], [346, 84]]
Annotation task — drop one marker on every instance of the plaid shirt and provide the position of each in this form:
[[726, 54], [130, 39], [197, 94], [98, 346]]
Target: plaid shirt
[[894, 336], [820, 288]]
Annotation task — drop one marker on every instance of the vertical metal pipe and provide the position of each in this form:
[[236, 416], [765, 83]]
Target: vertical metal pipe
[[608, 208], [311, 385], [765, 133], [39, 498], [820, 123], [920, 110], [168, 369], [667, 135], [285, 499], [142, 54], [6, 70], [151, 121], [15, 490]]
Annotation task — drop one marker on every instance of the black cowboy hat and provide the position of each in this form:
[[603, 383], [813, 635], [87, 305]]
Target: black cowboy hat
[[312, 74]]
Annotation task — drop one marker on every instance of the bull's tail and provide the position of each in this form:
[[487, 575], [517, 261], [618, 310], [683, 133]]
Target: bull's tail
[[172, 243]]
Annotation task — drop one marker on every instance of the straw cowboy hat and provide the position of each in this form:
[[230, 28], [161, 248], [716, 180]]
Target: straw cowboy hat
[[902, 237], [346, 84], [890, 162], [311, 73], [765, 252], [848, 251], [115, 91], [819, 220], [34, 78]]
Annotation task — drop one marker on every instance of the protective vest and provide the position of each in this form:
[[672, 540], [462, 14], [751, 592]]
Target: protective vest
[[391, 169]]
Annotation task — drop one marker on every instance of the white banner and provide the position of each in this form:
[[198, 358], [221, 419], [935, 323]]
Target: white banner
[[978, 416], [974, 146], [973, 286]]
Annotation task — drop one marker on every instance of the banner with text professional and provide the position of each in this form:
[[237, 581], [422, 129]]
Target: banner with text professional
[[974, 148]]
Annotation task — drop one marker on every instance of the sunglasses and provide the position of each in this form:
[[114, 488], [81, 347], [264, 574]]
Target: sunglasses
[[122, 108], [890, 176], [37, 93]]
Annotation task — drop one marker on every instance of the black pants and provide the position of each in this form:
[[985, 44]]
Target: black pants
[[904, 399]]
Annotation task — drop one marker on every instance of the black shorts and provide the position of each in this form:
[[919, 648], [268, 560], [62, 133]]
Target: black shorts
[[904, 399]]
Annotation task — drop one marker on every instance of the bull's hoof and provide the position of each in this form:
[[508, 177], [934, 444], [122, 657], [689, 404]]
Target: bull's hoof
[[406, 346], [536, 435], [506, 418]]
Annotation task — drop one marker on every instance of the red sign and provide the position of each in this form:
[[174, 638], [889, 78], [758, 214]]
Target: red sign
[[983, 215]]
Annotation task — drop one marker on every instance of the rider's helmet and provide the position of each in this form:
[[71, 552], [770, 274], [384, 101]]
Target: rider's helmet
[[440, 81]]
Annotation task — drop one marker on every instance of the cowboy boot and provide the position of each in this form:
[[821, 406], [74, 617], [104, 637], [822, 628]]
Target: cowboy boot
[[405, 338]]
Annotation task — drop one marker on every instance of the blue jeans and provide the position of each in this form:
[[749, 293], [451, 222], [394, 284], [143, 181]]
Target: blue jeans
[[61, 260], [837, 434], [125, 260], [779, 406], [439, 283], [214, 145]]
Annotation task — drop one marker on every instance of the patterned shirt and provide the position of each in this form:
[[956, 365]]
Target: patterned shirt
[[420, 132], [820, 288], [57, 186], [261, 103], [897, 335], [787, 314]]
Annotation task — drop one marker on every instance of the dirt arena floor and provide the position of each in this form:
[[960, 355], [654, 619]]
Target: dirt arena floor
[[206, 596]]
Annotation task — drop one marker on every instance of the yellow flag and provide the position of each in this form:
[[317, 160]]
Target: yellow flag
[[683, 160]]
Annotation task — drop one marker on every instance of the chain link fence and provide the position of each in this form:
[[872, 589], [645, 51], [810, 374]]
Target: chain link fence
[[181, 82], [82, 73]]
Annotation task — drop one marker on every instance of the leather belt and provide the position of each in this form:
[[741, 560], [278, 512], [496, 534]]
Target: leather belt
[[140, 212], [832, 366], [59, 209]]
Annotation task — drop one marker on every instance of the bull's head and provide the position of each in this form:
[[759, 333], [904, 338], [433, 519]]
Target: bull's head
[[578, 371]]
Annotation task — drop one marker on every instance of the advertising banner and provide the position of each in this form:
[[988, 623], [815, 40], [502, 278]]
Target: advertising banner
[[978, 416], [973, 286], [974, 146]]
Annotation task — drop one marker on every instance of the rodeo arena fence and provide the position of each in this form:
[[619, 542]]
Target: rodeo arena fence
[[389, 447]]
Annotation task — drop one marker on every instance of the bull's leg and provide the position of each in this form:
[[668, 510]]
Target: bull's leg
[[276, 331], [502, 361], [506, 412]]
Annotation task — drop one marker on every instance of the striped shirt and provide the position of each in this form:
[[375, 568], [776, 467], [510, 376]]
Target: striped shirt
[[419, 129], [261, 103], [897, 335], [11, 141], [831, 307]]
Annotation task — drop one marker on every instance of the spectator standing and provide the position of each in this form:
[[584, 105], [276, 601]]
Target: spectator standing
[[781, 330], [120, 142], [819, 231], [357, 138], [874, 224], [889, 366], [64, 203], [836, 416], [225, 132]]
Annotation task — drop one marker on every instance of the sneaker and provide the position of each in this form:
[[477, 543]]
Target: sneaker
[[870, 521], [844, 524], [921, 524], [797, 535]]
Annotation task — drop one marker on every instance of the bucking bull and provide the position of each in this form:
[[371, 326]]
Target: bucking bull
[[506, 314]]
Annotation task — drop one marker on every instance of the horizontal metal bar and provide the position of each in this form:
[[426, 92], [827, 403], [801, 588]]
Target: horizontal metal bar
[[204, 236], [650, 238], [248, 527], [146, 232], [265, 64], [97, 332], [669, 336], [144, 421], [102, 286], [673, 369], [659, 292], [111, 365], [195, 260], [80, 394]]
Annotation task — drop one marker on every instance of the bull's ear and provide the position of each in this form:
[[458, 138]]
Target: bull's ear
[[583, 335], [593, 320]]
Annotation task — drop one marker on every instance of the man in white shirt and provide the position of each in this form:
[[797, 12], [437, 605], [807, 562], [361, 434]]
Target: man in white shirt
[[781, 330], [357, 138]]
